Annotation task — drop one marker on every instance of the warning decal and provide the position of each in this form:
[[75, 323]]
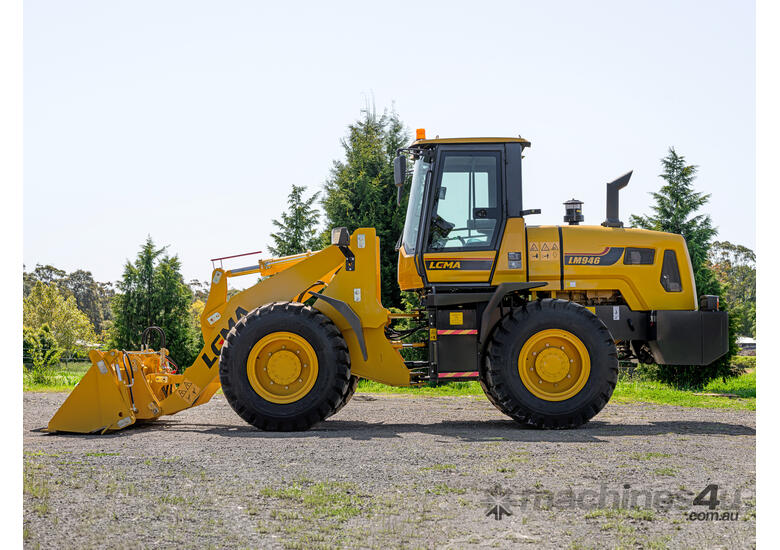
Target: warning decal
[[188, 391], [544, 250]]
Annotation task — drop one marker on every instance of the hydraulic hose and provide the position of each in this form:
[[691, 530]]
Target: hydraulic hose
[[148, 332]]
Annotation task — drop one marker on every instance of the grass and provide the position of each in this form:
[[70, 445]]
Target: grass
[[439, 468], [63, 379], [339, 501], [626, 391], [36, 486], [649, 456], [453, 388], [648, 391], [743, 386], [640, 514]]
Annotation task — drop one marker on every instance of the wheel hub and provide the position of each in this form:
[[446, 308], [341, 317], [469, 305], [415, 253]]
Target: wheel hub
[[552, 364], [284, 367]]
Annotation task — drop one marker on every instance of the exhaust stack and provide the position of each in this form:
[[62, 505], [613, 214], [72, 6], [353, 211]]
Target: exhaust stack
[[613, 200]]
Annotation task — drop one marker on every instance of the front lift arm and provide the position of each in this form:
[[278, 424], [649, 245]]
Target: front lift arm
[[358, 289]]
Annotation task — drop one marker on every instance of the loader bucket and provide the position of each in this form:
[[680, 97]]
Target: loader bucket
[[97, 403], [118, 389]]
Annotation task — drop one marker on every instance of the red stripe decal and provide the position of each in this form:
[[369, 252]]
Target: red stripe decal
[[603, 252], [458, 375], [486, 259], [452, 332]]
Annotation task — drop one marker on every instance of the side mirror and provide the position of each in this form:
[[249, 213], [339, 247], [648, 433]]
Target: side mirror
[[399, 170], [399, 174]]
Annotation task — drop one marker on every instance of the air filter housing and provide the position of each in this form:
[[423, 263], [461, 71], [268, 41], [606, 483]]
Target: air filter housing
[[573, 215]]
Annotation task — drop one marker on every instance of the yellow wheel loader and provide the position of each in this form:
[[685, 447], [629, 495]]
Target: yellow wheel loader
[[537, 314]]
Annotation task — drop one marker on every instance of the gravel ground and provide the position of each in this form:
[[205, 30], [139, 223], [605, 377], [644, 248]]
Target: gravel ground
[[391, 472]]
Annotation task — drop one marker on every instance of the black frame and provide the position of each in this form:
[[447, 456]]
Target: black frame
[[500, 199], [511, 200]]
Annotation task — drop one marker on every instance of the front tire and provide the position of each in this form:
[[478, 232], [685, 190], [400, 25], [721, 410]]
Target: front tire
[[284, 367], [552, 364], [348, 393]]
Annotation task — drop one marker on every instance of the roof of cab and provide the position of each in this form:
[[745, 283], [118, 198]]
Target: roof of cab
[[525, 142]]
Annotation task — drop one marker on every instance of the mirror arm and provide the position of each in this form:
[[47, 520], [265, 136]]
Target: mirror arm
[[530, 212]]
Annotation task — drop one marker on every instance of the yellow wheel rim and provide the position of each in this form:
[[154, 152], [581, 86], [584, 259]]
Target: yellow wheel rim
[[554, 364], [282, 367]]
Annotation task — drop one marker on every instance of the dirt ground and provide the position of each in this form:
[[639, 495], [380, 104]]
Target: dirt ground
[[394, 472]]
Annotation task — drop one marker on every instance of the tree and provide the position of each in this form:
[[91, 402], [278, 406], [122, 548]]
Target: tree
[[93, 298], [106, 292], [675, 211], [87, 294], [298, 227], [361, 193], [200, 290], [735, 268], [40, 352], [152, 293], [676, 204], [46, 274], [70, 328]]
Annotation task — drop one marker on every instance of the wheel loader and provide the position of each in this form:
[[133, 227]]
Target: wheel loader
[[538, 314]]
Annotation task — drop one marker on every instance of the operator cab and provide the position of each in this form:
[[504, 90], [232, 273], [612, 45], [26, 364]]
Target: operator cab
[[463, 191]]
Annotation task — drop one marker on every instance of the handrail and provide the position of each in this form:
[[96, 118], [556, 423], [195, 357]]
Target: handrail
[[233, 256]]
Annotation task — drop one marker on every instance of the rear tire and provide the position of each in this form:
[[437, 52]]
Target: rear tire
[[552, 364], [297, 347]]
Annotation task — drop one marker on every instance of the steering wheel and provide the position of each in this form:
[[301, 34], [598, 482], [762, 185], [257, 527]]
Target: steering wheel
[[442, 225]]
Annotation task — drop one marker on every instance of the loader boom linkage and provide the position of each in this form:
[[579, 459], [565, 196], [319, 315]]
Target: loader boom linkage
[[157, 392]]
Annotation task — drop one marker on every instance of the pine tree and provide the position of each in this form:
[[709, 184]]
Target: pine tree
[[360, 191], [152, 292], [675, 211], [676, 204], [298, 227]]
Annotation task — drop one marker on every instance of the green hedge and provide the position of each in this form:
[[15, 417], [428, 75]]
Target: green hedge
[[746, 361]]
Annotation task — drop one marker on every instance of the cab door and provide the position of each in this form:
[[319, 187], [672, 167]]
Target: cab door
[[466, 215]]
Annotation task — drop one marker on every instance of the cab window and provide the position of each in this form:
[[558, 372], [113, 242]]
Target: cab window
[[467, 205]]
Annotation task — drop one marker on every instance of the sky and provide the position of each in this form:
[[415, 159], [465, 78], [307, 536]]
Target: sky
[[189, 121]]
